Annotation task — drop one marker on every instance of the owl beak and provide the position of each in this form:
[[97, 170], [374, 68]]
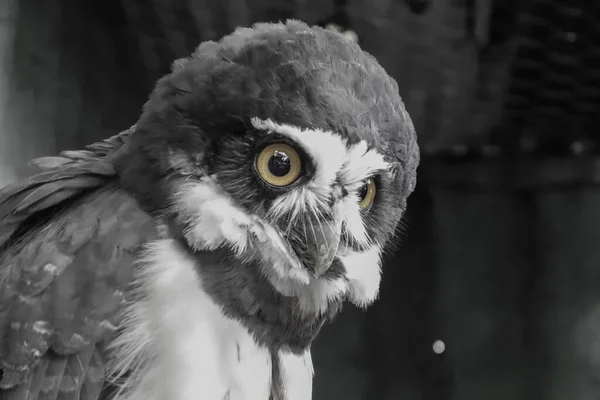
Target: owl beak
[[325, 244]]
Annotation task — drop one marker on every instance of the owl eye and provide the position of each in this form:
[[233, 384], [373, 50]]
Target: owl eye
[[278, 165], [366, 194]]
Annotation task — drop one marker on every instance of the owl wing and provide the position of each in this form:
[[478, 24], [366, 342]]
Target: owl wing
[[68, 238]]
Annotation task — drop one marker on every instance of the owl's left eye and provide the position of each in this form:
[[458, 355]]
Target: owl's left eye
[[278, 165], [366, 194]]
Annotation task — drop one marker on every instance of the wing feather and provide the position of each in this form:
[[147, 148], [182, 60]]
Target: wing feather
[[59, 179], [68, 239]]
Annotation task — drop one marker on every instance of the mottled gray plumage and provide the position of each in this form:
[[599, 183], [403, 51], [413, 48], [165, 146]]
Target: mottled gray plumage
[[70, 234], [68, 237]]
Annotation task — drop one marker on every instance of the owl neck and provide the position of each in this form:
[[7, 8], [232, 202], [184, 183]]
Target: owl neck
[[276, 321]]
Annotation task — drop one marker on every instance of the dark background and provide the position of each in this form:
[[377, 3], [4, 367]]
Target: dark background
[[500, 255]]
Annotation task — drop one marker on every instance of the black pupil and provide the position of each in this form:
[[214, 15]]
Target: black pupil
[[362, 193], [280, 164]]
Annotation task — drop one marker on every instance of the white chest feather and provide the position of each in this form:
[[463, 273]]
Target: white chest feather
[[181, 346]]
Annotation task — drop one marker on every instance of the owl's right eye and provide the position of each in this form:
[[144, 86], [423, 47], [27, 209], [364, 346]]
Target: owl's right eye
[[278, 165]]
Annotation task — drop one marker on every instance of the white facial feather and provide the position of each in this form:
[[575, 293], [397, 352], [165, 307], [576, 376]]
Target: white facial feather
[[334, 160], [197, 204], [179, 345], [213, 219], [328, 163], [362, 163], [363, 271]]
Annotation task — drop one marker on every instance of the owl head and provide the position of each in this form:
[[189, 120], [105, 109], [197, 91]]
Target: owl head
[[282, 156]]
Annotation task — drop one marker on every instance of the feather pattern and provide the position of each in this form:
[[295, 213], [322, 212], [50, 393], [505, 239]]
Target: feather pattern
[[64, 272], [59, 179], [90, 290]]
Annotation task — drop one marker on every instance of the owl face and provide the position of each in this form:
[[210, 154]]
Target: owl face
[[314, 208], [289, 148], [318, 189]]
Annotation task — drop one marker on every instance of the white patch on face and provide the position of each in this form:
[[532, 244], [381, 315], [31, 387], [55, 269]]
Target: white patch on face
[[354, 222], [361, 164], [313, 297], [334, 160], [213, 220], [363, 271], [178, 343], [327, 150], [315, 195]]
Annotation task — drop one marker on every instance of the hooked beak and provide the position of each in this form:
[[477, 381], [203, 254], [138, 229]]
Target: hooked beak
[[325, 242]]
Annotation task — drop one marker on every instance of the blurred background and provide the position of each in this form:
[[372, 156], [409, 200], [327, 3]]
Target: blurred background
[[500, 257]]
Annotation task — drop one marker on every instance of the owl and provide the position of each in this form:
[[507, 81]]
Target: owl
[[197, 254]]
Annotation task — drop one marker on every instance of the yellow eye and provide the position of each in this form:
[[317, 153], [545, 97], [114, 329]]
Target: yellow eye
[[366, 194], [278, 165]]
